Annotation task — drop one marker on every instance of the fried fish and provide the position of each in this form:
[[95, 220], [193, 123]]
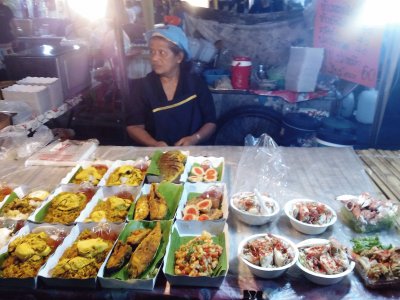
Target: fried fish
[[142, 208], [145, 252], [137, 236], [171, 165], [157, 204], [120, 255]]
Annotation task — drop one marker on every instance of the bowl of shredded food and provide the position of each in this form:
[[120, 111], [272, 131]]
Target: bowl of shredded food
[[254, 209], [324, 262], [309, 216], [268, 255]]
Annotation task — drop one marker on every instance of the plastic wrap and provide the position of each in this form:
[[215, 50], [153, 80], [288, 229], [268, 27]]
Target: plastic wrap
[[15, 144], [261, 167]]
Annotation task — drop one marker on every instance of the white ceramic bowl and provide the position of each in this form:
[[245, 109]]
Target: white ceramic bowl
[[267, 272], [304, 227], [317, 277], [253, 219]]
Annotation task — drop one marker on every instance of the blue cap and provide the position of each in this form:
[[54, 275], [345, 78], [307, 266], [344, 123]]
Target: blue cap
[[173, 34]]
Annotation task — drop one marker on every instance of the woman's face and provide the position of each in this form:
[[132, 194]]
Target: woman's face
[[163, 61]]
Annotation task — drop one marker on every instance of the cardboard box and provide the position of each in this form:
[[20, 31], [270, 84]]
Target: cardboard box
[[5, 120]]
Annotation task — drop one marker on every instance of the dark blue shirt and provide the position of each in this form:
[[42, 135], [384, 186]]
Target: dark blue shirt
[[6, 16], [191, 107]]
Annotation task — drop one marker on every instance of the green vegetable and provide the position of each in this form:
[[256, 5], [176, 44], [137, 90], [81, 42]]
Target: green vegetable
[[367, 243]]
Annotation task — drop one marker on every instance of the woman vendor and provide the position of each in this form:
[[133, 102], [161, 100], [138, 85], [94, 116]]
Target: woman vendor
[[170, 106]]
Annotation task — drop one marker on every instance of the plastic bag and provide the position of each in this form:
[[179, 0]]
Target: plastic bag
[[261, 167], [15, 144], [23, 111]]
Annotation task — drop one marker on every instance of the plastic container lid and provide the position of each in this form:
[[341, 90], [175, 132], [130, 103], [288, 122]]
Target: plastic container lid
[[241, 61], [334, 137], [338, 124], [242, 58], [301, 121]]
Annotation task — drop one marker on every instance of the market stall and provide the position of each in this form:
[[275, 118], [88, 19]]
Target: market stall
[[320, 174]]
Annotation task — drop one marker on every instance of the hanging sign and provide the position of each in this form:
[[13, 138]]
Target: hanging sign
[[351, 50]]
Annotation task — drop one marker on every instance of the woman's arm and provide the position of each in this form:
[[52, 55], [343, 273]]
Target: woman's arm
[[205, 132], [141, 136]]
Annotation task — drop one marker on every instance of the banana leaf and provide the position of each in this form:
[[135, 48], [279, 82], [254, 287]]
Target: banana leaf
[[153, 168], [171, 192], [10, 199], [41, 214], [176, 241], [152, 269]]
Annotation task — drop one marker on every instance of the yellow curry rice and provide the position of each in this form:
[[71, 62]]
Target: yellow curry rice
[[26, 255], [126, 174], [66, 207], [112, 209], [83, 259]]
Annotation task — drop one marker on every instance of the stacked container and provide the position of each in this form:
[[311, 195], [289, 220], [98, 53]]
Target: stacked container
[[36, 96], [53, 84]]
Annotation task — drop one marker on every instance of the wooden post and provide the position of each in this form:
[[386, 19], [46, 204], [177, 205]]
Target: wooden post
[[215, 4], [119, 10], [148, 14]]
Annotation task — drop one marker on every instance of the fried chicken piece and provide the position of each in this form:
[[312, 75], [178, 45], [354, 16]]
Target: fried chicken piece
[[142, 208], [145, 252], [121, 254], [137, 236], [157, 204], [171, 165]]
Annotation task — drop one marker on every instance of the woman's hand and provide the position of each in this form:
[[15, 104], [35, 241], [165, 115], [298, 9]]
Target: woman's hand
[[139, 134], [161, 144], [187, 141]]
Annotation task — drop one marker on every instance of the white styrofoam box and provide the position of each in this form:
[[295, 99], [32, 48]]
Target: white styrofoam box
[[45, 273], [52, 83], [198, 281], [197, 227], [83, 165], [215, 162], [303, 68], [101, 195], [62, 188], [30, 282], [37, 96]]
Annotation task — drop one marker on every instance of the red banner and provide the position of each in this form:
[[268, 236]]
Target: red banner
[[351, 50]]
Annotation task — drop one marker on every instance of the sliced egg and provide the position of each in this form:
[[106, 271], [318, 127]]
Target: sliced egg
[[41, 194]]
